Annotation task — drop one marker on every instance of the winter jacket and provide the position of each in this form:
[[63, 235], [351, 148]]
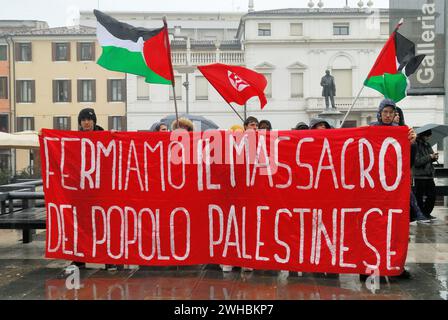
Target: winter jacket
[[423, 168]]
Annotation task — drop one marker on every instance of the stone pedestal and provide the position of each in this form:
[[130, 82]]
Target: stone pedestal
[[333, 117]]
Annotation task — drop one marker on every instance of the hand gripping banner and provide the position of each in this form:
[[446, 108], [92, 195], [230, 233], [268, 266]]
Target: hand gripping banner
[[333, 201]]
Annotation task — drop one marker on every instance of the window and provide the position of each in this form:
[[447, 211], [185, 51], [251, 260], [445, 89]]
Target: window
[[116, 90], [61, 51], [296, 29], [4, 123], [86, 51], [384, 28], [142, 89], [341, 29], [264, 29], [343, 81], [23, 52], [61, 123], [117, 123], [3, 53], [62, 91], [5, 161], [201, 88], [25, 123], [268, 89], [3, 88], [178, 87], [86, 91], [296, 85], [25, 91]]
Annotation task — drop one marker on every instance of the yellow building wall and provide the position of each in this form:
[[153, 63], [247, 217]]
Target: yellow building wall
[[43, 70]]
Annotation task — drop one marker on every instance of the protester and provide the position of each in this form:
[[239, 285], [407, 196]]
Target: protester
[[184, 123], [301, 126], [385, 117], [237, 128], [251, 123], [423, 173], [159, 127], [265, 125], [387, 111], [87, 122], [319, 123]]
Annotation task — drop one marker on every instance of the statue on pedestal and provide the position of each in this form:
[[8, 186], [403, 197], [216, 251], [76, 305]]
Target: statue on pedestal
[[328, 89]]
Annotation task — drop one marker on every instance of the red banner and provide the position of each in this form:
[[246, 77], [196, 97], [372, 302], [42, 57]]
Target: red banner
[[332, 201]]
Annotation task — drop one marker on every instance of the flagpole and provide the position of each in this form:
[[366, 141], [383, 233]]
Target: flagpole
[[175, 102], [351, 107], [235, 112], [377, 60], [165, 25]]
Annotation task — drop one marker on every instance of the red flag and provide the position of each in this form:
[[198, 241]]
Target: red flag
[[234, 83]]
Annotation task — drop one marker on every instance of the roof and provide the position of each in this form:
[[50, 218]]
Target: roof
[[295, 11], [58, 31]]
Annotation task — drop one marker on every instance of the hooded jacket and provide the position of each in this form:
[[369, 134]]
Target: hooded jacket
[[385, 103], [315, 121]]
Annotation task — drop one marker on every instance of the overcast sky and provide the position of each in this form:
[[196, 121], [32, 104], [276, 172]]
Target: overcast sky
[[62, 12]]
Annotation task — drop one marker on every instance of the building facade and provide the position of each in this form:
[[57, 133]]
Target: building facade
[[291, 47], [55, 75], [6, 111]]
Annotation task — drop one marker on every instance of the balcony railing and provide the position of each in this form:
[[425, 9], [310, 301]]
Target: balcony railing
[[207, 57]]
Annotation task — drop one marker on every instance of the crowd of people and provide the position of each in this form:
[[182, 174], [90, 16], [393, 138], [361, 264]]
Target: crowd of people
[[389, 114]]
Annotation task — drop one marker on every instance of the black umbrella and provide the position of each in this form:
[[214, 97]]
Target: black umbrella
[[439, 132], [200, 123]]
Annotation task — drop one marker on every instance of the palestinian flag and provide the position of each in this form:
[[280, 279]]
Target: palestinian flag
[[139, 51], [396, 62]]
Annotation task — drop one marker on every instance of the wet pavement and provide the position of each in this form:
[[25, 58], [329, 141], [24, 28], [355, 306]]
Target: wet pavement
[[26, 274]]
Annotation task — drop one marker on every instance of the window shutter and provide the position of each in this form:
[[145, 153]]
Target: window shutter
[[109, 90], [55, 123], [69, 90], [55, 93], [17, 51], [92, 51], [32, 124], [78, 51], [69, 123], [123, 124], [93, 90], [69, 44], [33, 90], [18, 90], [31, 51], [110, 122], [19, 124], [79, 90], [123, 90], [53, 51]]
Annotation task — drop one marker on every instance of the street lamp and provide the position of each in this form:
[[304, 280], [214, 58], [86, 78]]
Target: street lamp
[[187, 69]]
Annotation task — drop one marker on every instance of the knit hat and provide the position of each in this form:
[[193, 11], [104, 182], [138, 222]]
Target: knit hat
[[87, 113]]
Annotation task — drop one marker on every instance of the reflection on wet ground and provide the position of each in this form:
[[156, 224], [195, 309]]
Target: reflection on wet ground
[[26, 274]]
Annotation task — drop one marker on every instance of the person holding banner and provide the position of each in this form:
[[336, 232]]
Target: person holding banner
[[387, 111], [251, 123], [183, 123], [265, 125], [87, 122], [318, 123]]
